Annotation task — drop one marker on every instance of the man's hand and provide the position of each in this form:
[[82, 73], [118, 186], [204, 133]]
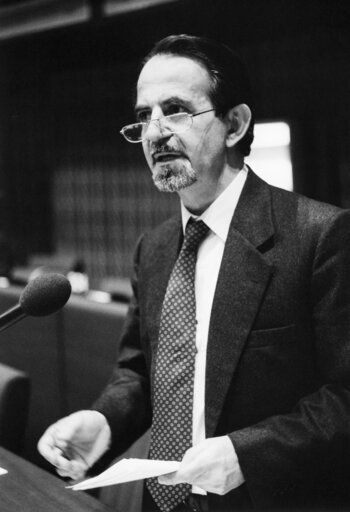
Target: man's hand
[[212, 465], [76, 442]]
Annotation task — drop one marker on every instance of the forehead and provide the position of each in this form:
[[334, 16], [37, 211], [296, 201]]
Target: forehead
[[169, 76]]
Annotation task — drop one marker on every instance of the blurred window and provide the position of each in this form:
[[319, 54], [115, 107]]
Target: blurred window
[[270, 156]]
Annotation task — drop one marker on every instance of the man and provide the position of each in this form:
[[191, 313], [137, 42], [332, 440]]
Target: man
[[266, 381]]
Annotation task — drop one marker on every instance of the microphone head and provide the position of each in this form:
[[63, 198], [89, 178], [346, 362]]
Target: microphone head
[[45, 295]]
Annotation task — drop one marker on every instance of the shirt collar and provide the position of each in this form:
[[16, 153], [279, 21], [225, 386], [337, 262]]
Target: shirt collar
[[219, 214]]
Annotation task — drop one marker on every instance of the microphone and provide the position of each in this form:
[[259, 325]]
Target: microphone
[[42, 296]]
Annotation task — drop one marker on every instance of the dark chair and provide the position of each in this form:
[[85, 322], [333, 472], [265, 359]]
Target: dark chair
[[14, 407]]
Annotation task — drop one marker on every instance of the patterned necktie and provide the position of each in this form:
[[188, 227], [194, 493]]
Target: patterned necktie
[[171, 433]]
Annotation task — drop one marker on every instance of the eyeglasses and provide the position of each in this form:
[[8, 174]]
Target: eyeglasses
[[175, 123]]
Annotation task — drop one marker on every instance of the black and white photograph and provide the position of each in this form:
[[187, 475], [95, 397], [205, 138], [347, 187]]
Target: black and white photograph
[[174, 256]]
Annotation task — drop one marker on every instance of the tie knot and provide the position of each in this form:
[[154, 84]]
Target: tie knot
[[194, 234]]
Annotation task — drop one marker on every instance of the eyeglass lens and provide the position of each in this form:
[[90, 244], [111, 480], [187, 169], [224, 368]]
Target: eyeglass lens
[[173, 123]]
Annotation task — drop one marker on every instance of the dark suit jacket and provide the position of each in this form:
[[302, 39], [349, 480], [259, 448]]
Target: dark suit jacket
[[278, 357]]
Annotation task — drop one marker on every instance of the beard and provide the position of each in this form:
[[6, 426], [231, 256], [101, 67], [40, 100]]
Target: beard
[[174, 176]]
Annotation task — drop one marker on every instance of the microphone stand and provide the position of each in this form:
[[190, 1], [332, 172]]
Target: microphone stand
[[11, 316]]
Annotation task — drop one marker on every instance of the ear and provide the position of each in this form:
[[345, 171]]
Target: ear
[[238, 120]]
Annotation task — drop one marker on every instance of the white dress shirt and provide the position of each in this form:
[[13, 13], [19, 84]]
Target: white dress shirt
[[218, 218]]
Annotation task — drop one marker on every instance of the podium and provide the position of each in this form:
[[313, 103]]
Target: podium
[[29, 488]]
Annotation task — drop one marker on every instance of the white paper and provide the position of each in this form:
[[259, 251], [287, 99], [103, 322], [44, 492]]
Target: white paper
[[128, 470], [3, 471]]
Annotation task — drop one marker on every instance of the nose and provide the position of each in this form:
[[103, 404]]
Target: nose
[[155, 131]]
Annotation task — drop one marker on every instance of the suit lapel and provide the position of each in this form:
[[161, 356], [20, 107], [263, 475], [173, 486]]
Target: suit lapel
[[242, 280], [159, 266]]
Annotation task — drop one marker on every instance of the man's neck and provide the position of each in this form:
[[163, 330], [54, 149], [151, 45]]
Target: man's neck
[[198, 197]]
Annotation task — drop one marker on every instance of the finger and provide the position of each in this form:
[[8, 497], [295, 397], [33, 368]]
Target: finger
[[47, 447], [166, 479], [72, 469], [57, 437], [65, 473], [54, 454], [62, 444], [188, 471], [72, 475], [170, 479], [78, 470]]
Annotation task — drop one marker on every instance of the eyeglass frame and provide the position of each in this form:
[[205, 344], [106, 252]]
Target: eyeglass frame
[[159, 120]]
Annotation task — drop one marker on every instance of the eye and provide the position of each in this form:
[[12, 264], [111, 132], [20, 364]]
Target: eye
[[174, 109], [143, 116]]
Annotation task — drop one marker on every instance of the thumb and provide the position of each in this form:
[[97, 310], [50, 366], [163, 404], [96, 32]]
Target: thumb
[[168, 479]]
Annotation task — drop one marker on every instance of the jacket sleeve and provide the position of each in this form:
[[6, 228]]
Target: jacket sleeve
[[125, 401], [283, 455]]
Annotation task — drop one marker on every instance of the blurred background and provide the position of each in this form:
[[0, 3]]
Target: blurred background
[[74, 195]]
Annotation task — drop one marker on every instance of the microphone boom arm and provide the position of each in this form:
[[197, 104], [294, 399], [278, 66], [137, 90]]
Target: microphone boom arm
[[11, 316]]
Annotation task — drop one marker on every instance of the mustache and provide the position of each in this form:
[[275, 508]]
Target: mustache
[[163, 148]]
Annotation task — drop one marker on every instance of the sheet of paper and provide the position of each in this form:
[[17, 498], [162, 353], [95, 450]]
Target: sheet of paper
[[3, 471], [128, 470]]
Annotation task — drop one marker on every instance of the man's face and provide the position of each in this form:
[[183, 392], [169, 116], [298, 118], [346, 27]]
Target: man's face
[[167, 85]]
